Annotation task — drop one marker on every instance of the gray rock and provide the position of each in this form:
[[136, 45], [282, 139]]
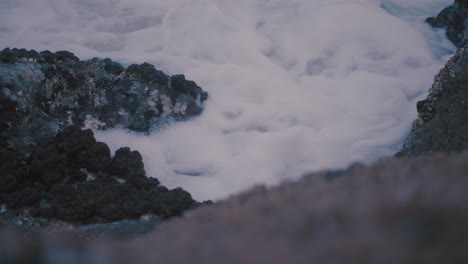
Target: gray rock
[[453, 19], [442, 124], [55, 170], [52, 90]]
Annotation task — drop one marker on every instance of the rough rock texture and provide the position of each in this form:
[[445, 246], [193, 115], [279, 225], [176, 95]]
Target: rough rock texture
[[73, 178], [442, 124], [40, 93], [453, 19], [396, 211], [70, 176]]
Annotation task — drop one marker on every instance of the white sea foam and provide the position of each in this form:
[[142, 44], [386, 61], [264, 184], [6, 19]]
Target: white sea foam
[[294, 85]]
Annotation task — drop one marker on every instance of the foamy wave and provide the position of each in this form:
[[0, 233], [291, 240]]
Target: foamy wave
[[294, 85]]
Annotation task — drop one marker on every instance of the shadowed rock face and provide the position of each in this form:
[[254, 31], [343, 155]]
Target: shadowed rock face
[[40, 93], [71, 177], [442, 124], [396, 211], [54, 170], [452, 18]]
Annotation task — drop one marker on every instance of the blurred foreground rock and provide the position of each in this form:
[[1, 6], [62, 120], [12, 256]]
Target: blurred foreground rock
[[396, 211]]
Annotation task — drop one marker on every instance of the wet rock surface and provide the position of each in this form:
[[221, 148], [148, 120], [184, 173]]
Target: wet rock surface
[[453, 19], [74, 178], [395, 211], [51, 169], [442, 124], [41, 93]]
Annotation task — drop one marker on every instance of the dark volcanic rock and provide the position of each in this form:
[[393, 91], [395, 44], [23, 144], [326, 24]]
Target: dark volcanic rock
[[453, 19], [126, 164], [41, 93], [72, 177], [442, 124]]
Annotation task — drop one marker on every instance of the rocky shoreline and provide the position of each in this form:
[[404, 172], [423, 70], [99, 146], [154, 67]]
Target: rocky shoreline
[[406, 209], [441, 125], [73, 178], [41, 93], [52, 170]]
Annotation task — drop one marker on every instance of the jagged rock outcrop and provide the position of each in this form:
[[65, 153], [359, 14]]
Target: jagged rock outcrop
[[442, 124], [40, 93], [71, 177], [453, 19], [54, 170]]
